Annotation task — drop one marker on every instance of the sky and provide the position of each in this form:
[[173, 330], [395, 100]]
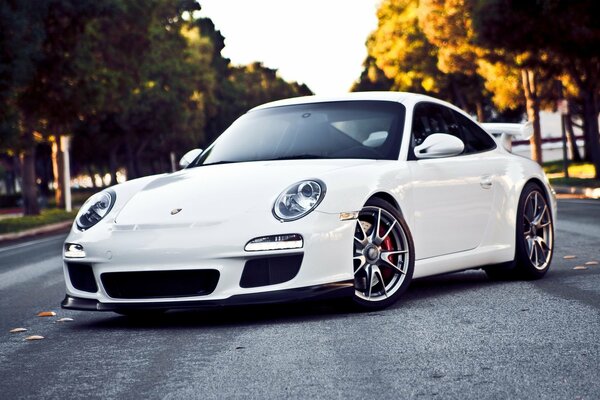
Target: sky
[[317, 42]]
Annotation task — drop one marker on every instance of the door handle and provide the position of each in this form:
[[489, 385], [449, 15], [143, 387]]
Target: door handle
[[486, 181]]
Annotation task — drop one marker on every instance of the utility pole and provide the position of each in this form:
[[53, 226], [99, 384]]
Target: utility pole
[[563, 108], [65, 142]]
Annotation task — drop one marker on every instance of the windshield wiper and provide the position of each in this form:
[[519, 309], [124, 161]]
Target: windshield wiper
[[291, 157], [216, 163]]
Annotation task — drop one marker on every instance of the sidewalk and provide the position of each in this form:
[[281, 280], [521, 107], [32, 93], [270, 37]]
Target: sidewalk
[[584, 192]]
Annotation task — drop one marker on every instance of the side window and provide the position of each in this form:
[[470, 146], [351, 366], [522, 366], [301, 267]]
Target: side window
[[430, 118], [476, 139]]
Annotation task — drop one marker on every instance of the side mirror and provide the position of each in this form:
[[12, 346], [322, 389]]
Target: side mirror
[[439, 145], [189, 157]]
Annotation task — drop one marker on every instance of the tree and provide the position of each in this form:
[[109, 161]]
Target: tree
[[256, 84], [51, 101], [401, 50], [563, 36], [372, 78], [21, 36], [401, 57], [447, 25], [134, 65]]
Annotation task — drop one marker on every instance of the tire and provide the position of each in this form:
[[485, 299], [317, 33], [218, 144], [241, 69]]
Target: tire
[[383, 256], [534, 241]]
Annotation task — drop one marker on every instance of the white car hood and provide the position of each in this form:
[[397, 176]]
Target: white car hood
[[210, 194]]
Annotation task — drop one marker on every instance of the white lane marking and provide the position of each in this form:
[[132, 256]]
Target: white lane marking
[[31, 243], [28, 272]]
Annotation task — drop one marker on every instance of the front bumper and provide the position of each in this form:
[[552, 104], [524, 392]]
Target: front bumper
[[318, 292], [326, 264]]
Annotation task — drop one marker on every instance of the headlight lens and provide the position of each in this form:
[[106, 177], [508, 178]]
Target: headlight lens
[[95, 208], [298, 200]]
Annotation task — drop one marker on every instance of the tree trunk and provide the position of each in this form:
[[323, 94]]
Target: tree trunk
[[141, 147], [16, 171], [590, 128], [91, 173], [132, 171], [533, 113], [58, 171], [458, 96], [480, 111], [113, 166], [571, 139], [29, 188]]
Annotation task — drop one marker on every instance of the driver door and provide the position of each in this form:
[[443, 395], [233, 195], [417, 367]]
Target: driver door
[[452, 196]]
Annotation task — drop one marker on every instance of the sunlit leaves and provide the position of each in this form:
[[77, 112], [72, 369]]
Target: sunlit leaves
[[34, 337], [46, 314]]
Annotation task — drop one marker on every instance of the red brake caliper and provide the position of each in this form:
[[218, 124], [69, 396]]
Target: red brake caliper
[[387, 273]]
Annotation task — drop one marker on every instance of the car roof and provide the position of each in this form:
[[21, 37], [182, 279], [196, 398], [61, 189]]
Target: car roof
[[400, 97]]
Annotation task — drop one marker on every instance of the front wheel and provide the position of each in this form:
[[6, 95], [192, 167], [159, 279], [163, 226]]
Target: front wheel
[[383, 256]]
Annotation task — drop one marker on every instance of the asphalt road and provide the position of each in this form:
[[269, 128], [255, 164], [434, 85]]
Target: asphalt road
[[454, 336]]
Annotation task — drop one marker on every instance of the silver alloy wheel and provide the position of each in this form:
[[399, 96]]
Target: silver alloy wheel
[[381, 255], [537, 229]]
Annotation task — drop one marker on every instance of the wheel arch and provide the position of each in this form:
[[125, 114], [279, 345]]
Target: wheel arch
[[541, 184], [387, 198]]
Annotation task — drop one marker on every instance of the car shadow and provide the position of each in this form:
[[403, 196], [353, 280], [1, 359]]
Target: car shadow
[[419, 291], [450, 283]]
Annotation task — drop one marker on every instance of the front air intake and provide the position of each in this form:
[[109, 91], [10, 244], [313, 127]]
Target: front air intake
[[82, 277], [160, 284], [266, 271]]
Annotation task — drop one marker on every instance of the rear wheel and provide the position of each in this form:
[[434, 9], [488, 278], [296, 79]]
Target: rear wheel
[[534, 238], [383, 256]]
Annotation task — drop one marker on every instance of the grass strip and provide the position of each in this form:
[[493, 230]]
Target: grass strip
[[47, 217]]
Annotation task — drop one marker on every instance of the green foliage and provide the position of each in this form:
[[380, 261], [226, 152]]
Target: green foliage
[[256, 84], [402, 55], [401, 50], [46, 217], [559, 38], [131, 80], [232, 90], [372, 78], [19, 50]]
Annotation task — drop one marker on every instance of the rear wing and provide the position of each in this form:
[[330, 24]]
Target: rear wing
[[505, 132]]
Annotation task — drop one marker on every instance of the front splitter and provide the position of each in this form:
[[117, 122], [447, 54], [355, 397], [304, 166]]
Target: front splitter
[[318, 292]]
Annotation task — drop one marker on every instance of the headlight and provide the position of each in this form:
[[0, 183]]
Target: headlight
[[95, 208], [298, 200]]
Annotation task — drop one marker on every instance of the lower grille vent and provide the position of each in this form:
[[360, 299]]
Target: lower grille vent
[[157, 284], [270, 270], [82, 277]]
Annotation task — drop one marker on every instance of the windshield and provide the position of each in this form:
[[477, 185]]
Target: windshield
[[350, 129]]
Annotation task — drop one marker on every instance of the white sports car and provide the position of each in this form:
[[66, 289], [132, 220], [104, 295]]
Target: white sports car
[[350, 196]]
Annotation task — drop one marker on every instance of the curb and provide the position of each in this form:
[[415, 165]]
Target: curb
[[588, 192], [57, 227]]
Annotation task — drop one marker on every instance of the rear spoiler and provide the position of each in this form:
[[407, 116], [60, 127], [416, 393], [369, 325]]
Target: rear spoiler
[[504, 132]]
